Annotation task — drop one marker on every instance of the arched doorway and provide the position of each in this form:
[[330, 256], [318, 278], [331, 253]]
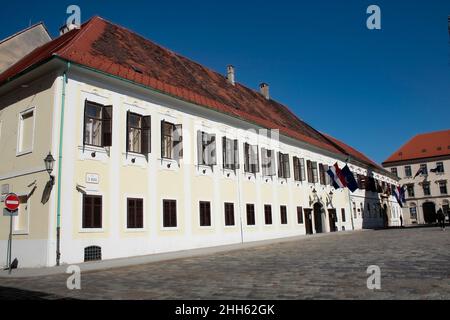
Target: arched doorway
[[429, 212], [318, 208], [385, 216]]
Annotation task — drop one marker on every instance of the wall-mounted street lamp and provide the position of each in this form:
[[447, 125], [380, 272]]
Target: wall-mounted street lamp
[[49, 163], [330, 199]]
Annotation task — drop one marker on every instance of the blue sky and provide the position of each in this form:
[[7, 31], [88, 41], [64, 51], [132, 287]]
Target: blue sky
[[372, 89]]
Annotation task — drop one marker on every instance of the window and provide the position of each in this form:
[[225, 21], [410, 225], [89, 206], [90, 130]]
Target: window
[[230, 153], [283, 215], [426, 188], [206, 149], [97, 124], [229, 214], [268, 214], [394, 171], [312, 171], [251, 158], [361, 182], [300, 215], [323, 174], [169, 213], [283, 166], [343, 215], [410, 190], [440, 167], [299, 169], [408, 171], [424, 168], [138, 133], [135, 213], [354, 211], [205, 214], [443, 187], [251, 214], [21, 221], [92, 253], [26, 131], [171, 141], [268, 162], [92, 212], [413, 212]]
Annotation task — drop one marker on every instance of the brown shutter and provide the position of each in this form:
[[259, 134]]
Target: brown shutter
[[84, 122], [280, 165], [163, 154], [246, 157], [127, 136], [107, 114], [309, 170], [146, 135], [321, 175]]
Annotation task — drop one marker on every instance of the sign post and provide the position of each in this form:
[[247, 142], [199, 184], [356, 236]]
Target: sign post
[[12, 205]]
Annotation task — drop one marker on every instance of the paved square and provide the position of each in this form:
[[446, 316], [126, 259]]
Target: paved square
[[414, 262]]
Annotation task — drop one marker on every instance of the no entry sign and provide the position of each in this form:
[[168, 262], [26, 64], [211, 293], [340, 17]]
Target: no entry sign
[[12, 202]]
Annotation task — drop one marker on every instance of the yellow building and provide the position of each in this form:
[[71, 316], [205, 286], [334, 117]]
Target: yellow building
[[156, 153]]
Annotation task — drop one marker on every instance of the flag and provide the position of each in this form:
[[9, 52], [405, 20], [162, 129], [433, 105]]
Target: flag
[[350, 179], [399, 194], [336, 176], [421, 171]]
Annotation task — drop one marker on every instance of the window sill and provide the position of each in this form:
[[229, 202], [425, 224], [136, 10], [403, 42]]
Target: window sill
[[23, 153], [169, 164], [21, 233], [170, 228], [129, 230], [92, 230]]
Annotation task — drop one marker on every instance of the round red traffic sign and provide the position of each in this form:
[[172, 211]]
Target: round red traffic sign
[[12, 202]]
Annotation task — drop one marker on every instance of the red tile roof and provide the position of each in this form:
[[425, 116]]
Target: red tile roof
[[112, 49], [427, 145]]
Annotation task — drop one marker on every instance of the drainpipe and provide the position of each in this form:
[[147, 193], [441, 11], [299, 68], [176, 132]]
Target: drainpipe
[[61, 132]]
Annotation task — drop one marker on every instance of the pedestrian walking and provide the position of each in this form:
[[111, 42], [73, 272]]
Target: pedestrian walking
[[401, 220], [441, 218]]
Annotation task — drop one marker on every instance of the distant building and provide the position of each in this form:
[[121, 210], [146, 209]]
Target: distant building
[[428, 191], [17, 46]]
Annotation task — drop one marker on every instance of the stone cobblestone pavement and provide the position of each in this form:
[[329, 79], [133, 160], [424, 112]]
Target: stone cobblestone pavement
[[414, 262]]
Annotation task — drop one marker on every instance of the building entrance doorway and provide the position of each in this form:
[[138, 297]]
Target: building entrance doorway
[[332, 218], [318, 208], [308, 221], [429, 212]]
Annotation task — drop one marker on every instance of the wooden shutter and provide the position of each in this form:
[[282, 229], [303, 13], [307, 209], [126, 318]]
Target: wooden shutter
[[280, 165], [246, 157], [127, 137], [224, 152], [296, 169], [257, 160], [163, 153], [327, 176], [200, 158], [309, 170], [146, 135], [107, 114]]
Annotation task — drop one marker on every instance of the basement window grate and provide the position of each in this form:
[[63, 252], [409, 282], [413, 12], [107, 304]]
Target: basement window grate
[[93, 253]]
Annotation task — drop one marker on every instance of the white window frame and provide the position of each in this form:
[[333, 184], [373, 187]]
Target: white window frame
[[20, 152]]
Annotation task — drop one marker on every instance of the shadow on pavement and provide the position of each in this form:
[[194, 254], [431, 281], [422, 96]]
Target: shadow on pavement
[[7, 293]]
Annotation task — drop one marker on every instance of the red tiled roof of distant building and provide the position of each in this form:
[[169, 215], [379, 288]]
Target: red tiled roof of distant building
[[427, 145], [114, 50]]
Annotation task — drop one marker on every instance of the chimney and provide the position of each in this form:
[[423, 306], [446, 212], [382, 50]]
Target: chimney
[[230, 74], [264, 88], [68, 27]]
